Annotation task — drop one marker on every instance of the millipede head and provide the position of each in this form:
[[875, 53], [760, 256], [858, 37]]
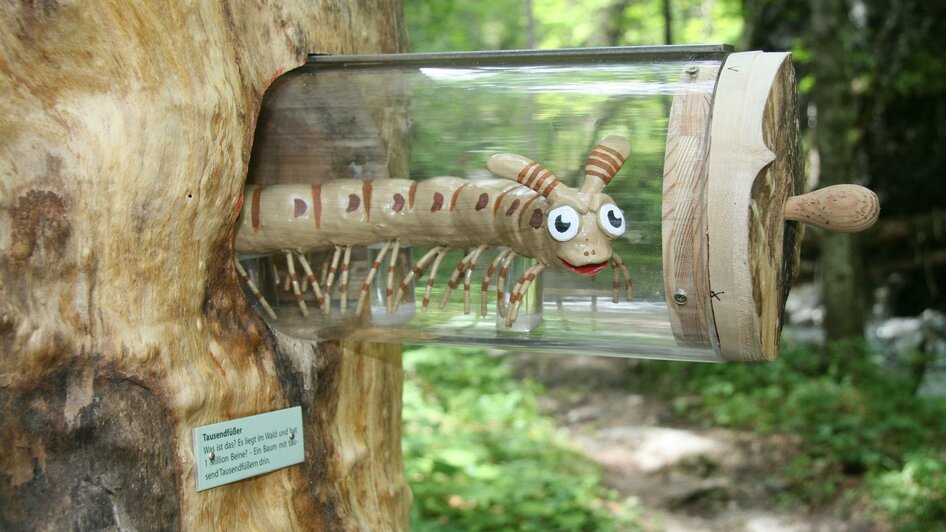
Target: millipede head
[[581, 224]]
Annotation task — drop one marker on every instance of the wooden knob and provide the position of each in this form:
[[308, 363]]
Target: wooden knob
[[839, 208]]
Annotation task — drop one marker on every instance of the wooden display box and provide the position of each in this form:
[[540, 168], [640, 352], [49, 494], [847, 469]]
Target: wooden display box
[[700, 154]]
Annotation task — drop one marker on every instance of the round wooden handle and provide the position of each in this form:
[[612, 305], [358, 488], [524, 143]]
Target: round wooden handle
[[839, 208]]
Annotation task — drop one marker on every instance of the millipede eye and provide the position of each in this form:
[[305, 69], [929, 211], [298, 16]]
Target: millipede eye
[[611, 220], [563, 223], [615, 221]]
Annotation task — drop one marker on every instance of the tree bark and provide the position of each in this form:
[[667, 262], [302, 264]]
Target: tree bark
[[835, 139], [125, 135]]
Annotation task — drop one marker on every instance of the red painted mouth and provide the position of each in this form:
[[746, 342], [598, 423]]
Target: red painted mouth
[[585, 269]]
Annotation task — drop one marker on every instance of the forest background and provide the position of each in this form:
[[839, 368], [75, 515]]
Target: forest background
[[859, 401]]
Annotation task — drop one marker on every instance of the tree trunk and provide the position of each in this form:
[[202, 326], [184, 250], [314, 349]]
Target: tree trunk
[[125, 135], [835, 139]]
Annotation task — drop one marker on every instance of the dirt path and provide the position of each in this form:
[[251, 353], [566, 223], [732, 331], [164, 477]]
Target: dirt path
[[685, 478]]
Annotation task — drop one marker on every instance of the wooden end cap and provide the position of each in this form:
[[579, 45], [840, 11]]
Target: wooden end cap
[[839, 208]]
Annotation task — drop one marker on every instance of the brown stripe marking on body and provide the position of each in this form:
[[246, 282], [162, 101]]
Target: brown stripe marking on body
[[438, 202], [617, 155], [410, 195], [499, 201], [512, 208], [298, 207], [353, 202], [398, 203], [482, 202], [366, 193], [254, 209], [545, 184], [535, 183], [456, 194], [550, 187], [317, 204], [525, 208], [527, 172], [602, 176], [602, 165], [536, 177], [605, 159]]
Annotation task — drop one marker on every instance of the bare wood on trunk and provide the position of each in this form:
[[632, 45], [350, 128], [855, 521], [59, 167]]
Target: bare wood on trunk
[[125, 134]]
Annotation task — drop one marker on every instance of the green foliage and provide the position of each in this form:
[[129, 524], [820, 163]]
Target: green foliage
[[436, 26], [479, 456], [854, 418], [448, 25], [914, 495]]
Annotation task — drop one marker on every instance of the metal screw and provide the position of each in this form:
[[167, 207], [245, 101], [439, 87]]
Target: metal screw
[[212, 456], [680, 297], [692, 70], [292, 435]]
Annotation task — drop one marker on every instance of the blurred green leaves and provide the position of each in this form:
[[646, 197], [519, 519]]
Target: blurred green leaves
[[859, 424], [448, 25], [479, 456]]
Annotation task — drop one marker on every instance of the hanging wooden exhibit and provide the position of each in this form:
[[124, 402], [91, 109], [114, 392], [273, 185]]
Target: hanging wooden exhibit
[[639, 201]]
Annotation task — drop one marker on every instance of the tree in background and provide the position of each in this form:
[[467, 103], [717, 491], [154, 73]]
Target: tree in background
[[448, 25], [874, 76], [833, 43]]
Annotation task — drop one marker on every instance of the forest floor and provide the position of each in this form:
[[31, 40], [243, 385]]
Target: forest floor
[[685, 478]]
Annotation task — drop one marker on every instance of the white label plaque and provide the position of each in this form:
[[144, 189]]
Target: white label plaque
[[249, 446]]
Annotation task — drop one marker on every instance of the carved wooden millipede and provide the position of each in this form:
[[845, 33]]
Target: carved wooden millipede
[[712, 281]]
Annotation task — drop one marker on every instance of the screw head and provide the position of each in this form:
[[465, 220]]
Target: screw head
[[692, 70], [680, 297], [213, 456], [292, 435]]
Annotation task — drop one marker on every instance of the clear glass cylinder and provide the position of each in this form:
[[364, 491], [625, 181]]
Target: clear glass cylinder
[[369, 119]]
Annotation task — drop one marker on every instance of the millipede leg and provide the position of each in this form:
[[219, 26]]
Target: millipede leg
[[313, 282], [517, 294], [617, 264], [433, 277], [288, 282], [343, 282], [330, 278], [455, 277], [416, 272], [252, 286], [276, 276], [469, 276], [616, 285], [501, 284], [326, 259], [489, 275], [295, 284], [363, 296], [389, 286]]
